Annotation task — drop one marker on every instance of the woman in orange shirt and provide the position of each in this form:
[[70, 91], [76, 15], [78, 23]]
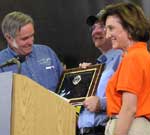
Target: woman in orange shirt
[[128, 91]]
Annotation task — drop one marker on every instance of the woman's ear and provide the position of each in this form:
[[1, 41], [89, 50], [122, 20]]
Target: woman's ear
[[130, 32]]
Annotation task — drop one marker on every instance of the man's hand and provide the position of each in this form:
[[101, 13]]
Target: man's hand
[[92, 103], [84, 65]]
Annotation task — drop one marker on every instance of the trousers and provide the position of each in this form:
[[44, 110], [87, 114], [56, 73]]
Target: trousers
[[140, 126], [99, 130]]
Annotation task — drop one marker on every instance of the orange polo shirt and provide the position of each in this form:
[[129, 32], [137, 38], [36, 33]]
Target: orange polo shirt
[[132, 75]]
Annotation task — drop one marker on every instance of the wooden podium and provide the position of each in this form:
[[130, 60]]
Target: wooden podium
[[27, 108]]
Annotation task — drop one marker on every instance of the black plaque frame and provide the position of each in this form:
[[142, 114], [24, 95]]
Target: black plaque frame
[[77, 83]]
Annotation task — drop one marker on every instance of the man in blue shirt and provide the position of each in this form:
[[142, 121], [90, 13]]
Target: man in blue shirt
[[92, 118], [38, 62]]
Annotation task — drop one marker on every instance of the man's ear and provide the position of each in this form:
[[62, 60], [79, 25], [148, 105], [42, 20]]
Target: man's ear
[[8, 37], [129, 36]]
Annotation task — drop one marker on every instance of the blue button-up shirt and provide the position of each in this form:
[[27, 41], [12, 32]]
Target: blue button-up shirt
[[111, 60], [42, 65]]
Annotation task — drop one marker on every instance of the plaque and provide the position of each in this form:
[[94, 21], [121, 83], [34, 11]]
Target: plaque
[[77, 83]]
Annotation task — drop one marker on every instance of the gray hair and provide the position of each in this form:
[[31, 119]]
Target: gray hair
[[13, 22]]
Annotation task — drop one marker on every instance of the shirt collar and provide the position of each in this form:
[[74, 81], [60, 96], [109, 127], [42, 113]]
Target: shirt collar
[[11, 52], [107, 56], [135, 45], [102, 59], [14, 54]]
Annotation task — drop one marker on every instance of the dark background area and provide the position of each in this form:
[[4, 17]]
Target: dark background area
[[61, 24]]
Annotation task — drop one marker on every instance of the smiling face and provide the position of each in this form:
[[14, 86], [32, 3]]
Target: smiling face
[[22, 43], [99, 35], [119, 36]]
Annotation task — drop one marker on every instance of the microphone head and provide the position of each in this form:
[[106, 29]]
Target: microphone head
[[21, 58]]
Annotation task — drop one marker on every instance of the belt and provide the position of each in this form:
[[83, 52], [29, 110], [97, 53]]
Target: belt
[[146, 118], [116, 117], [113, 117], [88, 130]]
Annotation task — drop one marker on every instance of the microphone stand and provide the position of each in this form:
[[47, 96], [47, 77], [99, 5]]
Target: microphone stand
[[18, 65]]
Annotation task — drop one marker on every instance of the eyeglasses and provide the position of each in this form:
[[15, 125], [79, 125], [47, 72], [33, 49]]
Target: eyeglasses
[[97, 26]]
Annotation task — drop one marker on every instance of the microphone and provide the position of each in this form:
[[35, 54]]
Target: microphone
[[10, 62], [16, 60]]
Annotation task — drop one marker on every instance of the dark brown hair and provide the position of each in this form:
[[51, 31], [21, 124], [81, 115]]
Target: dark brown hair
[[132, 19]]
